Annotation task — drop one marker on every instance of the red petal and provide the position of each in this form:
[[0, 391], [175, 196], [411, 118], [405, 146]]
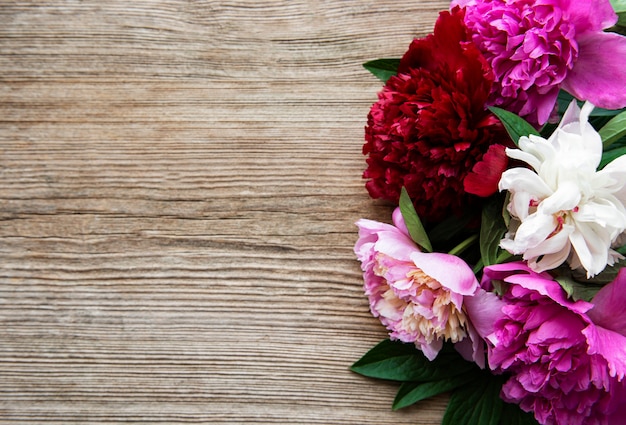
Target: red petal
[[485, 175]]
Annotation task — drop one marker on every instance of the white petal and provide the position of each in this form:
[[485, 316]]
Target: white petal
[[604, 212], [592, 249], [524, 180], [575, 136], [534, 151], [526, 157], [577, 151], [533, 231], [553, 251], [613, 178], [566, 198], [572, 114]]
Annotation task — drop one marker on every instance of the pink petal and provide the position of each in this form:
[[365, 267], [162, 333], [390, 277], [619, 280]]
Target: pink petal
[[430, 350], [483, 310], [610, 345], [472, 349], [449, 270], [609, 309], [618, 402], [590, 15], [398, 221], [395, 244], [599, 74], [542, 283]]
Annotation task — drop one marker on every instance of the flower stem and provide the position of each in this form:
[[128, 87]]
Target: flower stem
[[463, 245]]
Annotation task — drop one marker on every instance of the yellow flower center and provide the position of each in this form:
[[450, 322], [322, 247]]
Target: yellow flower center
[[431, 312]]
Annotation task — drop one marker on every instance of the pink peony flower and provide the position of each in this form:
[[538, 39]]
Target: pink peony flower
[[567, 358], [537, 47], [418, 296]]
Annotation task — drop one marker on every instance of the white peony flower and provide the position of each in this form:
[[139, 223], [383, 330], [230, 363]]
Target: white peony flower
[[565, 210]]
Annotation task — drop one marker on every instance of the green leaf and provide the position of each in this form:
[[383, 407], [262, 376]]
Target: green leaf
[[477, 403], [412, 392], [515, 126], [397, 361], [619, 6], [577, 290], [516, 416], [413, 222], [492, 229], [613, 130], [605, 276], [449, 228], [620, 28], [383, 69]]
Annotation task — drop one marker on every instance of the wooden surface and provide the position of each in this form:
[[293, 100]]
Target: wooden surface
[[179, 182]]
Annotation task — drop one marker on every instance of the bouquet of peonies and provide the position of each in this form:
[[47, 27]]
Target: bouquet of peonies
[[501, 139]]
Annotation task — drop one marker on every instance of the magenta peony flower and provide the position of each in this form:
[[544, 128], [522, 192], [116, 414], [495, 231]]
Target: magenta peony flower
[[537, 47], [430, 126], [417, 296], [567, 358]]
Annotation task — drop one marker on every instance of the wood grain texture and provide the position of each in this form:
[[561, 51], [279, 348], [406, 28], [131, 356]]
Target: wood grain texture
[[179, 182]]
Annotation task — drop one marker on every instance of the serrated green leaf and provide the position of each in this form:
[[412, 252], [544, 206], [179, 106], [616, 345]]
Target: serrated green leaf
[[513, 415], [492, 230], [383, 69], [613, 130], [514, 125], [412, 392], [396, 361], [413, 222], [477, 403]]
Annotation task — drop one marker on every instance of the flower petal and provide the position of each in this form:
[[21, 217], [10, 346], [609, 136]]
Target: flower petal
[[486, 173], [591, 248], [609, 309], [524, 180], [449, 270], [395, 244], [603, 85], [430, 350], [368, 235], [566, 197], [398, 221], [613, 177], [590, 15], [550, 253], [532, 232], [610, 345], [519, 273], [483, 310]]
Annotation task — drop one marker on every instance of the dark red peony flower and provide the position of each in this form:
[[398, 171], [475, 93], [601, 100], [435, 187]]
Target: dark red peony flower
[[430, 125]]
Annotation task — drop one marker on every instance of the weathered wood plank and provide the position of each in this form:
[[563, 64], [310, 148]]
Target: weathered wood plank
[[178, 186]]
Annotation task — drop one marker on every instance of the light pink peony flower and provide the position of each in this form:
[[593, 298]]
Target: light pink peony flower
[[537, 47], [418, 296], [567, 358]]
